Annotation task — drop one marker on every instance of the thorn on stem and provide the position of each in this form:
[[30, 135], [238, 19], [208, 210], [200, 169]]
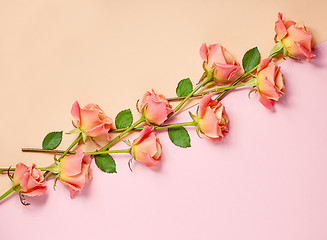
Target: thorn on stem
[[95, 142], [9, 175], [129, 164], [22, 200], [137, 105]]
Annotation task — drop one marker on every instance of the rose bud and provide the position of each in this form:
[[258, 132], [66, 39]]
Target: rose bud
[[216, 56], [212, 118], [270, 84], [295, 37], [75, 171], [91, 120], [30, 179], [157, 107], [147, 148]]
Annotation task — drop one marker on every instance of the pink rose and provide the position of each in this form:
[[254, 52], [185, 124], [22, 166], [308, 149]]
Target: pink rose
[[295, 37], [157, 107], [75, 171], [216, 56], [31, 180], [91, 120], [147, 148], [212, 118], [270, 84]]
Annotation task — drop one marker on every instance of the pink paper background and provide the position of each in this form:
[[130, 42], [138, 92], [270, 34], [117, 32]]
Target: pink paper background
[[267, 180]]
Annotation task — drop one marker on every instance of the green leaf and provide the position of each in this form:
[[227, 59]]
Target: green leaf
[[184, 88], [179, 136], [106, 163], [251, 59], [124, 119], [52, 140]]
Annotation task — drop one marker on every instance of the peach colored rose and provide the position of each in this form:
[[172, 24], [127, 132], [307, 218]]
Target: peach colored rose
[[212, 118], [270, 84], [295, 37], [31, 180], [157, 107], [91, 120], [147, 148], [216, 56], [75, 171]]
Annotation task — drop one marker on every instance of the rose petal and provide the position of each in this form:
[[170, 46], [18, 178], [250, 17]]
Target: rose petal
[[19, 172], [71, 165], [146, 159], [216, 55], [148, 145], [98, 131], [298, 50], [269, 104], [76, 111], [203, 103], [209, 124], [204, 52], [280, 28], [224, 71], [263, 64], [144, 134]]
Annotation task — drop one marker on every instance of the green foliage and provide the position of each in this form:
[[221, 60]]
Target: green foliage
[[106, 163], [184, 88], [251, 59], [179, 136], [124, 119], [52, 140]]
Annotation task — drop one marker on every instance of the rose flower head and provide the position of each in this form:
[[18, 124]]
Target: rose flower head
[[218, 58], [156, 107], [295, 38], [75, 172], [30, 179], [91, 120], [147, 148], [270, 83], [212, 118]]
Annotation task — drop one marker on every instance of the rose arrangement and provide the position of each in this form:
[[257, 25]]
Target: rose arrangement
[[210, 120]]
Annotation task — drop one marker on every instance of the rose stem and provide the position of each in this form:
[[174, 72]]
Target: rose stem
[[113, 141], [204, 93], [61, 151], [71, 146], [5, 170], [2, 170], [12, 189], [111, 151], [159, 127]]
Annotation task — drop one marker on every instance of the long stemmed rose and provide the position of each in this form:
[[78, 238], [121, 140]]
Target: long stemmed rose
[[210, 120]]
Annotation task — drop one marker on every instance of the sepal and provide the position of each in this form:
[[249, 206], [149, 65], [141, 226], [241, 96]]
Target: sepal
[[194, 117], [75, 131], [278, 49], [54, 168], [253, 81]]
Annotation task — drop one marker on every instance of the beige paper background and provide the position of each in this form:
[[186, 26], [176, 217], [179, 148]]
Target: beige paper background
[[110, 52]]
